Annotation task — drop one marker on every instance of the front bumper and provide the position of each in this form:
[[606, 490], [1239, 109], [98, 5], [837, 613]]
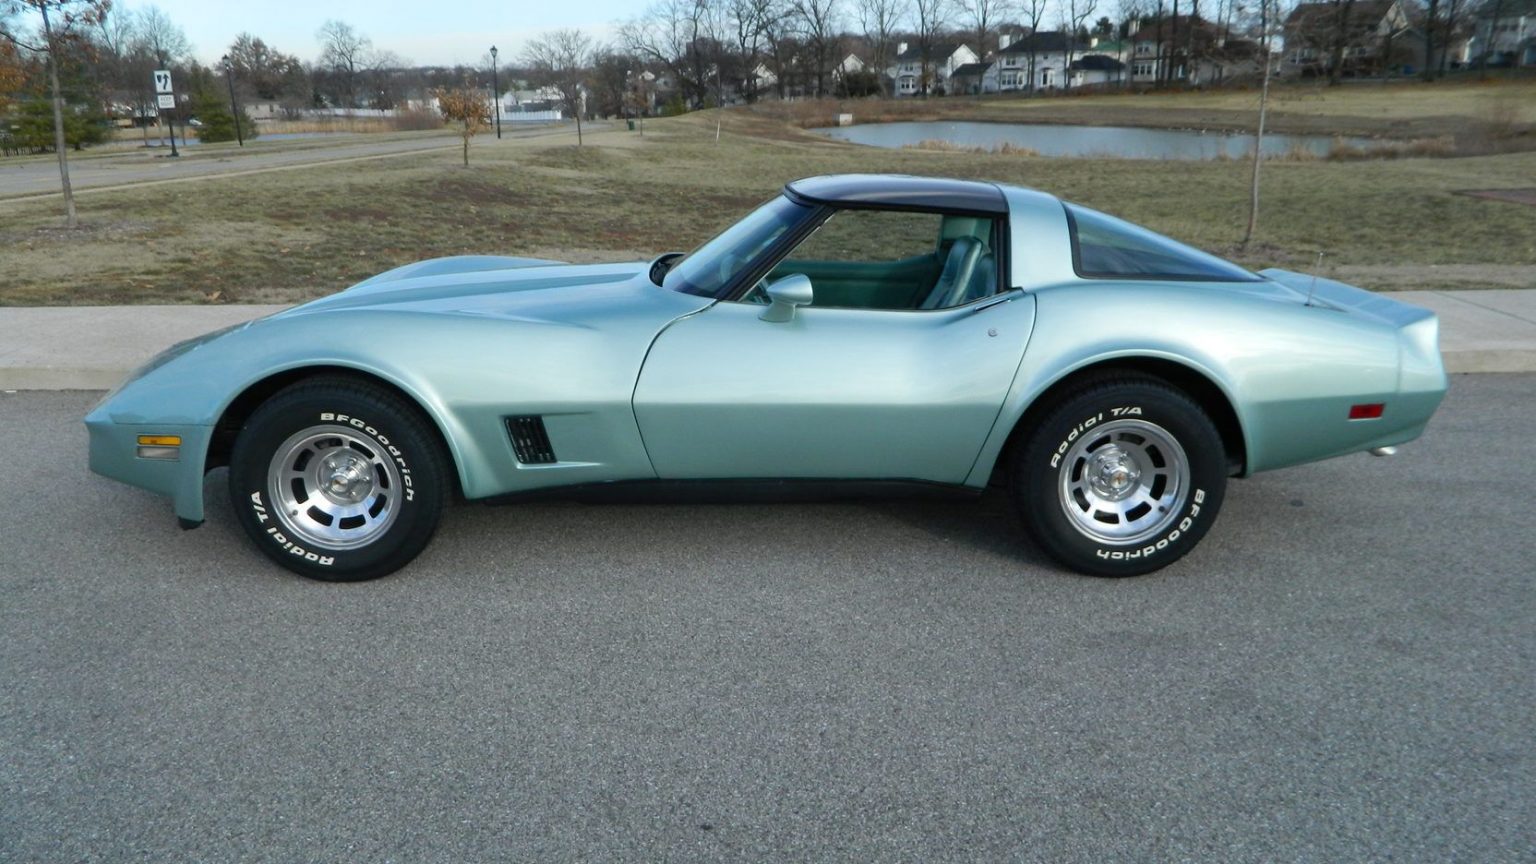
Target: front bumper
[[114, 454]]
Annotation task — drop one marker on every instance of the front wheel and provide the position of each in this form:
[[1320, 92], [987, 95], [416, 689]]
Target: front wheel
[[338, 480], [1120, 478]]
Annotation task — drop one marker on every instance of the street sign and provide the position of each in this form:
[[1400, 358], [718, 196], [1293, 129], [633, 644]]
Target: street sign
[[166, 100], [163, 81]]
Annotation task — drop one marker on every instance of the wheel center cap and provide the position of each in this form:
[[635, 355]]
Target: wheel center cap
[[346, 478], [1113, 473]]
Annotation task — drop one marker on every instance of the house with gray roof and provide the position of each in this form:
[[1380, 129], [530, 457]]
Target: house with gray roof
[[914, 78]]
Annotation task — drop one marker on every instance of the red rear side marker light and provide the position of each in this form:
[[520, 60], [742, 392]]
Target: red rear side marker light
[[1369, 411]]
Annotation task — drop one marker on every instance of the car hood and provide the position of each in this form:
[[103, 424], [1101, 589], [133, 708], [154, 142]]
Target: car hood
[[475, 285]]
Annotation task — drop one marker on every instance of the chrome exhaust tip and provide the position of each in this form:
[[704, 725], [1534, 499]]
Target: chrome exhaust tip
[[1383, 451]]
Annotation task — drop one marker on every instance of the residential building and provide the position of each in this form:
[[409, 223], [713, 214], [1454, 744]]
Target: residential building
[[1364, 37], [1508, 39], [1037, 61], [912, 77], [974, 78], [1095, 70], [1187, 49]]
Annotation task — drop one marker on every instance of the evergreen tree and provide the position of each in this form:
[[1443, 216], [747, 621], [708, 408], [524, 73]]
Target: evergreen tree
[[211, 109]]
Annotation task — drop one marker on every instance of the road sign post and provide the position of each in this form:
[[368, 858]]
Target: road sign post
[[165, 97]]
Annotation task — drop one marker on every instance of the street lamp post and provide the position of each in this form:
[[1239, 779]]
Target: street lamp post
[[495, 91], [234, 107]]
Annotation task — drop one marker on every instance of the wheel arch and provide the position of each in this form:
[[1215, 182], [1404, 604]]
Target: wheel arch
[[1196, 384], [239, 409]]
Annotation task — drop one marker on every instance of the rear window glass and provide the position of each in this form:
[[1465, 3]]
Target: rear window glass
[[1103, 246]]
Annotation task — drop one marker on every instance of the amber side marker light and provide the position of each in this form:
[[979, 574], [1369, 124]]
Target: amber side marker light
[[1369, 411], [164, 447]]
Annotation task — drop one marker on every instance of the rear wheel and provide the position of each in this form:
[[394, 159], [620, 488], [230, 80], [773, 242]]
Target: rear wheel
[[338, 480], [1122, 477]]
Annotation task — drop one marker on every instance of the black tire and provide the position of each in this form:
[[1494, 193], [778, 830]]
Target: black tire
[[357, 455], [1122, 476]]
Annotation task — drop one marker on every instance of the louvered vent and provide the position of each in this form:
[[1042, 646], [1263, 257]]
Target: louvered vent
[[530, 441]]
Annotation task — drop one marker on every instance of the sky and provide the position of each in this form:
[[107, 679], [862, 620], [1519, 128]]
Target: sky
[[424, 33]]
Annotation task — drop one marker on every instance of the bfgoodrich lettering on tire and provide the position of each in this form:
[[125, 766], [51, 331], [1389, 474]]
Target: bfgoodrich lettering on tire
[[338, 479], [1123, 476]]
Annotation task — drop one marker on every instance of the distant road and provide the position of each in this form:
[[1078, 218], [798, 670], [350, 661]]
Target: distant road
[[34, 178]]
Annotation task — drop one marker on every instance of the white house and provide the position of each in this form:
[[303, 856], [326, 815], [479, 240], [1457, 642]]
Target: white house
[[1089, 70], [1037, 61], [943, 59], [1509, 40]]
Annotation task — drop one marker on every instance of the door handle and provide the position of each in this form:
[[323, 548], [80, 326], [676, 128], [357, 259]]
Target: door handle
[[999, 300]]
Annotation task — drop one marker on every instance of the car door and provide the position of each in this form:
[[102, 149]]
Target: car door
[[896, 368], [832, 393]]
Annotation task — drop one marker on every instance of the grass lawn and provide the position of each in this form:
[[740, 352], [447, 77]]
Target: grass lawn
[[290, 235]]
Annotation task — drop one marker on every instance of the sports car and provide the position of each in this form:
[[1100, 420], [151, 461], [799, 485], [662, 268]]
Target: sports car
[[855, 331]]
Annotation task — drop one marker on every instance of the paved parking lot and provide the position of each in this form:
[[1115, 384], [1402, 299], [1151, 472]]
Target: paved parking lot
[[1342, 672]]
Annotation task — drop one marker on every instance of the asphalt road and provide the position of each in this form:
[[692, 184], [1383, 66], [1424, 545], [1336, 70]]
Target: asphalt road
[[1342, 672]]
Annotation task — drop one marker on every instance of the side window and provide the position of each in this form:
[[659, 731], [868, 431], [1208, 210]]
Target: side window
[[868, 236], [1103, 246], [893, 259]]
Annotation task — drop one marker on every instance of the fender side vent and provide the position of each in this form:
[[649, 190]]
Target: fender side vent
[[530, 441]]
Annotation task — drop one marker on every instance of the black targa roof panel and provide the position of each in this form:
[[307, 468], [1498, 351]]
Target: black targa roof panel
[[885, 190]]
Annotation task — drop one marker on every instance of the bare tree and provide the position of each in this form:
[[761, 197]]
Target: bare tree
[[932, 16], [62, 20], [982, 14], [1448, 26], [346, 52], [749, 23], [266, 72], [562, 60], [674, 34], [1268, 13], [610, 81], [1494, 10], [1034, 13], [818, 25], [1077, 12], [780, 47], [1340, 33], [879, 20]]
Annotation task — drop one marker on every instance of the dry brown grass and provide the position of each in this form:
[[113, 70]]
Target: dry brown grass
[[290, 235]]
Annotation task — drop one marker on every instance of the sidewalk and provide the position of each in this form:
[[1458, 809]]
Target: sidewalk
[[95, 347]]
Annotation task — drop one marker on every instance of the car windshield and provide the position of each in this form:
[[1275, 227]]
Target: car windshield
[[707, 270]]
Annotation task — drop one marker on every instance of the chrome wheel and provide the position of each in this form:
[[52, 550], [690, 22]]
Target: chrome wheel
[[1124, 482], [333, 489]]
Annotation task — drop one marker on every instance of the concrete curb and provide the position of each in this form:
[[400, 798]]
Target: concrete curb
[[96, 347]]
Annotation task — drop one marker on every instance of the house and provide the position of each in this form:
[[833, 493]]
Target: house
[[1509, 39], [1188, 49], [1037, 61], [974, 78], [1095, 69], [1359, 37], [913, 77]]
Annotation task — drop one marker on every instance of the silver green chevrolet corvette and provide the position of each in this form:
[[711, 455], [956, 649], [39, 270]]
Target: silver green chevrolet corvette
[[855, 330]]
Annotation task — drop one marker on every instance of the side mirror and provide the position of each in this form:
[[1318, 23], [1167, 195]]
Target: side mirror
[[784, 295]]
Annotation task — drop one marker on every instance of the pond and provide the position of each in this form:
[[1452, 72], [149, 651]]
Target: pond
[[1122, 142]]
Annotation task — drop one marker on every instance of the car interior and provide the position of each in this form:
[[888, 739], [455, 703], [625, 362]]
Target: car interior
[[895, 260]]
